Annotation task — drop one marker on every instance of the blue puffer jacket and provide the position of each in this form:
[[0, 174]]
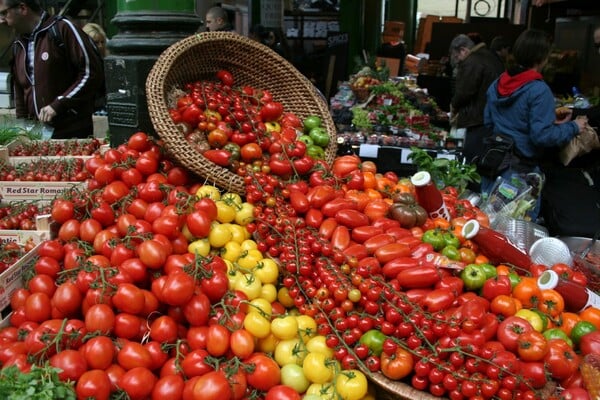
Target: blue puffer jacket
[[527, 116]]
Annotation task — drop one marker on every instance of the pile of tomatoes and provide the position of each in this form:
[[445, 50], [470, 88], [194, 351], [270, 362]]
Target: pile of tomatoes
[[244, 128], [48, 170], [21, 215], [68, 147]]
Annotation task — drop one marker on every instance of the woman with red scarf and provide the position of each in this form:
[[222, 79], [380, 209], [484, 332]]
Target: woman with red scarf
[[520, 106]]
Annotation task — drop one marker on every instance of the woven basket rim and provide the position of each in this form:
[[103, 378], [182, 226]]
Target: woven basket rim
[[242, 53], [399, 389]]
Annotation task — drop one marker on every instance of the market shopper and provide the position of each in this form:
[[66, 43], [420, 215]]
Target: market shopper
[[520, 107], [56, 69], [217, 20], [477, 67]]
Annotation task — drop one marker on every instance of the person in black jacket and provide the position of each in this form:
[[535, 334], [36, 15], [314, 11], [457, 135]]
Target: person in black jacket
[[217, 20], [476, 68], [56, 69]]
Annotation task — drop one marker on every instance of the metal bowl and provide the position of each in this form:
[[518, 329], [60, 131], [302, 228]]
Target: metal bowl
[[578, 244]]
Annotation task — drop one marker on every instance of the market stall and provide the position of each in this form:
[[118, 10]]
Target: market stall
[[236, 256]]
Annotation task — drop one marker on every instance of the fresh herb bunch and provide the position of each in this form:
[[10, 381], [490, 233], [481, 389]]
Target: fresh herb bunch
[[445, 172], [388, 88], [360, 119], [9, 131], [41, 383]]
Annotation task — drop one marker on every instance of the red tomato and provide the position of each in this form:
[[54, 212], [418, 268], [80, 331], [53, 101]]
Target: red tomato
[[138, 383], [100, 317], [351, 218], [71, 363], [282, 392], [93, 384], [342, 166], [510, 329], [266, 373], [168, 387], [152, 253], [99, 352]]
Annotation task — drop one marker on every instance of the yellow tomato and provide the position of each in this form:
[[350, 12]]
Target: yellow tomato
[[244, 214], [268, 292], [233, 276], [231, 251], [293, 376], [200, 247], [238, 233], [267, 344], [289, 351], [316, 369], [249, 284], [267, 270], [233, 199], [321, 390], [283, 296], [285, 327], [208, 191], [257, 325], [225, 211], [186, 232], [307, 327], [261, 306], [351, 384], [249, 244], [318, 345], [249, 259], [219, 235]]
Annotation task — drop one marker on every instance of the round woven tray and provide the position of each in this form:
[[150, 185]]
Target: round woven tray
[[388, 389], [199, 57]]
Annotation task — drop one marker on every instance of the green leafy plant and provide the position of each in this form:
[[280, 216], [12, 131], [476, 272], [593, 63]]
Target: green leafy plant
[[10, 130], [41, 383], [360, 119], [443, 171]]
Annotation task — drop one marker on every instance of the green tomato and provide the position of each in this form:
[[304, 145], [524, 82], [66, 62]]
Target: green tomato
[[581, 329], [310, 122], [315, 152], [234, 149], [451, 252], [451, 239], [319, 136], [292, 375], [514, 279], [489, 269], [473, 276], [557, 333], [306, 139], [374, 339], [435, 238]]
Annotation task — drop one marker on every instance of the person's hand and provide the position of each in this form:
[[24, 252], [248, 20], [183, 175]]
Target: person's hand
[[563, 114], [581, 122], [46, 114]]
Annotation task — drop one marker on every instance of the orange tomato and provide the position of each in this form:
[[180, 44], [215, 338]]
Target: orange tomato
[[467, 255], [591, 314], [370, 181], [403, 187], [566, 321], [373, 194], [384, 184], [481, 259], [376, 209], [417, 232], [503, 305], [361, 198], [368, 166], [441, 223], [456, 226], [469, 244], [502, 269], [551, 302], [528, 292]]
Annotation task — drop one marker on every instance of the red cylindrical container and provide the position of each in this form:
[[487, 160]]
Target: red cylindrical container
[[577, 298], [497, 247], [428, 195]]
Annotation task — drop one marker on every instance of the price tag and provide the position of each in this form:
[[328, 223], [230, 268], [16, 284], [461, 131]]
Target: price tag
[[368, 150], [447, 156]]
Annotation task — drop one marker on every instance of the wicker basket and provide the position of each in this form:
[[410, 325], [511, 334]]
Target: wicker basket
[[199, 57], [387, 389]]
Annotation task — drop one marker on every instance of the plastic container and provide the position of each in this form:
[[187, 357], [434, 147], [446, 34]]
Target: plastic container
[[428, 195], [577, 297], [496, 246]]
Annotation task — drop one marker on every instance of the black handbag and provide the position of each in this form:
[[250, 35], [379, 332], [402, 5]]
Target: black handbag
[[496, 155]]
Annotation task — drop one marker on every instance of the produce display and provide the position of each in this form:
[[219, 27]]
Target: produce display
[[324, 282], [50, 170], [70, 147], [21, 215]]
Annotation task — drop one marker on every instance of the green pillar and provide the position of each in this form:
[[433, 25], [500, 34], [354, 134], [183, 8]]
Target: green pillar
[[352, 20], [404, 11], [145, 29]]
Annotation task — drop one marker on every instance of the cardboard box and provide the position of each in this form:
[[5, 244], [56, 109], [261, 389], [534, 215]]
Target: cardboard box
[[41, 233], [12, 279], [29, 190]]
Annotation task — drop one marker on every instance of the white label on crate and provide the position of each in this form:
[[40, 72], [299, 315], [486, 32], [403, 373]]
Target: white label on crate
[[32, 190], [446, 156], [368, 150], [404, 156]]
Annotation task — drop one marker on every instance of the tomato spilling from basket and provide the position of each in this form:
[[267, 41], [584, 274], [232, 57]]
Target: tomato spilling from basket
[[244, 128]]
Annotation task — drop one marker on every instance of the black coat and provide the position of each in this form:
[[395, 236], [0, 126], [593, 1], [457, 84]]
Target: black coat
[[474, 75]]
